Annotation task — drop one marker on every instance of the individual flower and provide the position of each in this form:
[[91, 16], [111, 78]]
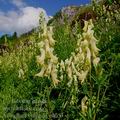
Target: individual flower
[[40, 59], [96, 61], [84, 106]]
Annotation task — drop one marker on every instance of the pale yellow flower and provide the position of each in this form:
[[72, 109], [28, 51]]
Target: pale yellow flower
[[54, 59], [85, 26], [48, 69], [88, 56], [47, 46], [82, 76], [50, 33], [21, 73], [84, 106], [40, 59], [94, 47], [54, 76], [85, 43], [41, 73]]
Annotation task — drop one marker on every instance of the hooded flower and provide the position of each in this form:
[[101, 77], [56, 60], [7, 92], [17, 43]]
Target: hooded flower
[[84, 105]]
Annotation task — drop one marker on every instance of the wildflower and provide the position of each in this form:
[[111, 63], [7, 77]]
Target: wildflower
[[94, 47], [48, 70], [54, 75], [41, 73], [85, 43], [47, 47], [88, 56], [82, 76], [85, 26], [50, 33], [69, 71], [84, 105]]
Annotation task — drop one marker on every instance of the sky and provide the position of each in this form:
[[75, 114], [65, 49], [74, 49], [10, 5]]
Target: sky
[[23, 15]]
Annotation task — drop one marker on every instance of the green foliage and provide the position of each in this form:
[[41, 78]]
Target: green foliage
[[65, 41]]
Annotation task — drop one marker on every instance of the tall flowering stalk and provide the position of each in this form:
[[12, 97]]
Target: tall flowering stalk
[[47, 60], [80, 62]]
